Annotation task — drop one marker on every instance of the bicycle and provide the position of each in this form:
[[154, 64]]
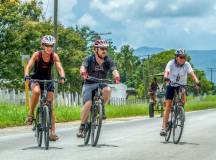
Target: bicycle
[[43, 120], [177, 115], [158, 105], [93, 125]]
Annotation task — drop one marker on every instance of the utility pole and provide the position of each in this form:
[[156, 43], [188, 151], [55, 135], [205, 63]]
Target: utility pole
[[146, 78], [56, 44], [56, 24]]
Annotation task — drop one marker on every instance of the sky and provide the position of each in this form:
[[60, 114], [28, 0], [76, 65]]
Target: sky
[[167, 24]]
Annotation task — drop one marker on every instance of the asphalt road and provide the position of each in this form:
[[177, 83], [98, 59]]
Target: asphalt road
[[121, 139]]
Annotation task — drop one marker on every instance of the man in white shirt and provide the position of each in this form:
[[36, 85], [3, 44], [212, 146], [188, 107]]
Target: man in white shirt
[[176, 71]]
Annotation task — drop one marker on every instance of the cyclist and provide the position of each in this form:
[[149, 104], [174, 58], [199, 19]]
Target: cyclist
[[153, 89], [176, 71], [43, 62], [96, 65]]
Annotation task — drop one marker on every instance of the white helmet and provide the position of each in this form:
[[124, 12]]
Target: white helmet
[[180, 52], [99, 43], [48, 39]]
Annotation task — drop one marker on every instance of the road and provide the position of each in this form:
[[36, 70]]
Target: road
[[121, 139]]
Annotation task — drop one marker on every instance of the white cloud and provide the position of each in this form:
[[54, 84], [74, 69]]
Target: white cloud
[[186, 30], [88, 20], [173, 7], [153, 23], [145, 22], [150, 6], [214, 7], [115, 10]]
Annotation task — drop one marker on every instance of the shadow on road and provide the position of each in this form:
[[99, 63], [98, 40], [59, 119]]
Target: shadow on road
[[99, 145], [188, 143], [41, 148], [182, 143]]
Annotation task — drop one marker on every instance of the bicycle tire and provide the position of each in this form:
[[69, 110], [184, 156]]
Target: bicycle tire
[[46, 124], [151, 109], [88, 129], [170, 126], [38, 124], [178, 121], [96, 123]]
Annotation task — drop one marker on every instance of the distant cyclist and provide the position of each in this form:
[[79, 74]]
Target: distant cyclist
[[153, 90], [43, 62], [96, 65], [176, 71]]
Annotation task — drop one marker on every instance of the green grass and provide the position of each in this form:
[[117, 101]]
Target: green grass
[[13, 115], [126, 110]]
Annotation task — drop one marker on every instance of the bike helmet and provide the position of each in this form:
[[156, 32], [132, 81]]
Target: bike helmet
[[99, 43], [48, 39], [180, 52]]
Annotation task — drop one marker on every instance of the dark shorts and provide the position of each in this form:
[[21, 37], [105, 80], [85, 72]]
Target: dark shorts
[[50, 86], [88, 89], [170, 91]]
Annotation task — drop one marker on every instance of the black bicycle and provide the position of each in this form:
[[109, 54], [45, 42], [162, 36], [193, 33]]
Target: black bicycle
[[43, 119], [94, 123], [177, 115]]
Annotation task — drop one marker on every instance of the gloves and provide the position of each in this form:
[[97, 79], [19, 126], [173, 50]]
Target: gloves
[[27, 77], [62, 78], [84, 75], [117, 80]]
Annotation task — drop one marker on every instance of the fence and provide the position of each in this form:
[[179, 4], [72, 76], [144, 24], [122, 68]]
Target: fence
[[63, 99], [17, 97]]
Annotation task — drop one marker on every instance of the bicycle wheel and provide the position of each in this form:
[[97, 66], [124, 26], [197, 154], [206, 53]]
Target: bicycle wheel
[[38, 126], [151, 109], [88, 129], [169, 127], [178, 124], [96, 123], [46, 124]]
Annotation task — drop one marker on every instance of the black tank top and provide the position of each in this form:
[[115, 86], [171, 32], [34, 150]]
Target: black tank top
[[42, 70]]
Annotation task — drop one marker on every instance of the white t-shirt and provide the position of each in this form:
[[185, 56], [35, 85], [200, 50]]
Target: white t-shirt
[[178, 74]]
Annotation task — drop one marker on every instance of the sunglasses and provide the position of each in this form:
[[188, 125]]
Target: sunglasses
[[103, 49], [182, 57], [46, 45]]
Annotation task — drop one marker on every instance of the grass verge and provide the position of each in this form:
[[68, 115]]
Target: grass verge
[[14, 115]]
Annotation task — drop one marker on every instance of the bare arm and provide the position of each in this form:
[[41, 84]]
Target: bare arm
[[82, 69], [59, 65], [31, 63], [166, 74], [194, 77]]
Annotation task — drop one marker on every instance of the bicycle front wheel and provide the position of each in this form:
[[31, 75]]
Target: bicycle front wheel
[[88, 129], [96, 123], [169, 126], [178, 124], [38, 126], [46, 122]]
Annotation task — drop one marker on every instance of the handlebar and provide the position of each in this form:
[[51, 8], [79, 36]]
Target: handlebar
[[183, 85], [94, 79], [44, 81]]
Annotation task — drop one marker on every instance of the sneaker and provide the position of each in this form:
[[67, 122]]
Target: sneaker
[[163, 132], [53, 137], [80, 133]]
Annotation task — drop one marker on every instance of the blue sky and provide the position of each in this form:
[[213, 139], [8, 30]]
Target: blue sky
[[189, 24]]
